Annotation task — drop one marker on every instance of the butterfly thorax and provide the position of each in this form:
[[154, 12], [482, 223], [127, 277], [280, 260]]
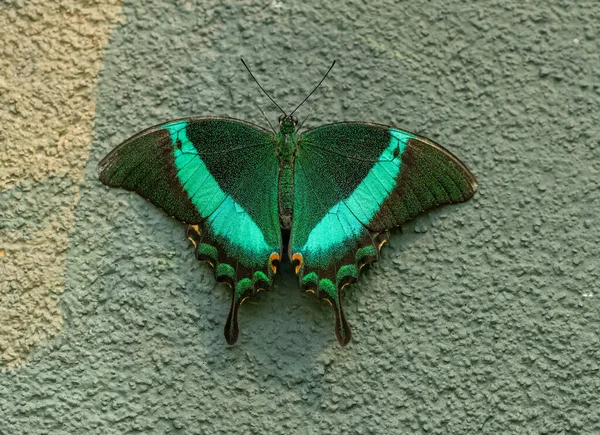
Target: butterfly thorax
[[287, 142]]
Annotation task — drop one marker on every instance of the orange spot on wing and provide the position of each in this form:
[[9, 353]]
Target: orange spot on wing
[[274, 257], [297, 256], [191, 237], [386, 235]]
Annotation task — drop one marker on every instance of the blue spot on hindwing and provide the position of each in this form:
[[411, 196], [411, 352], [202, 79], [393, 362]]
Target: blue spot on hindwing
[[345, 220], [225, 217]]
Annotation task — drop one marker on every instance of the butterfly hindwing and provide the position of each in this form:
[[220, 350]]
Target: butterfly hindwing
[[219, 175], [353, 182]]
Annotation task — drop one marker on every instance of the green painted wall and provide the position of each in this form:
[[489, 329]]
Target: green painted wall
[[480, 318]]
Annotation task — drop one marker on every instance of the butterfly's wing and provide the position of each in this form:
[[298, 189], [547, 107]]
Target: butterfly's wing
[[219, 175], [353, 182]]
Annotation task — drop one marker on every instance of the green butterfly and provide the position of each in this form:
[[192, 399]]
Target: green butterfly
[[327, 196]]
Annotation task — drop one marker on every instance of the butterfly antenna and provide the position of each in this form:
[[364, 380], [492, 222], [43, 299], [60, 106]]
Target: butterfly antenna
[[304, 120], [263, 113], [313, 91], [261, 88], [310, 112]]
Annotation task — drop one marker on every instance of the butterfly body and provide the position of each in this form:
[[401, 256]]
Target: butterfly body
[[287, 146], [329, 194]]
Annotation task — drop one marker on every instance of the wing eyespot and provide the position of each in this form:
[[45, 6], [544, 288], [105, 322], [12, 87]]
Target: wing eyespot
[[274, 261], [297, 261]]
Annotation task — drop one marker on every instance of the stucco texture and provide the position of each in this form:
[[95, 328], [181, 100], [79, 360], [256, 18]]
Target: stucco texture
[[480, 318]]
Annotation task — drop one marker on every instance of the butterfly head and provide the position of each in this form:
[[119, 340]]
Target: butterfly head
[[287, 123]]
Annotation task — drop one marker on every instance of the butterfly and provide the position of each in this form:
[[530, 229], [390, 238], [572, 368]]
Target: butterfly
[[323, 199]]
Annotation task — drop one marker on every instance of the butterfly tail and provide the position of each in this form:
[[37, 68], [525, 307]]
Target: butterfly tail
[[244, 282], [243, 289], [342, 329], [232, 330]]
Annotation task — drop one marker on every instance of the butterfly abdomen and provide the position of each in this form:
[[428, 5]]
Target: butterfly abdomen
[[286, 144], [286, 195]]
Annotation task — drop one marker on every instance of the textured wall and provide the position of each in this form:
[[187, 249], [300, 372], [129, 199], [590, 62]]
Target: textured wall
[[480, 318], [50, 57]]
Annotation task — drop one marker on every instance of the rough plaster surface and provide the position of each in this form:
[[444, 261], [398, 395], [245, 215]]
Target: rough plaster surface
[[50, 56], [480, 318]]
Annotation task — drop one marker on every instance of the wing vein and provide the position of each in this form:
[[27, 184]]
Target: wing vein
[[342, 154]]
